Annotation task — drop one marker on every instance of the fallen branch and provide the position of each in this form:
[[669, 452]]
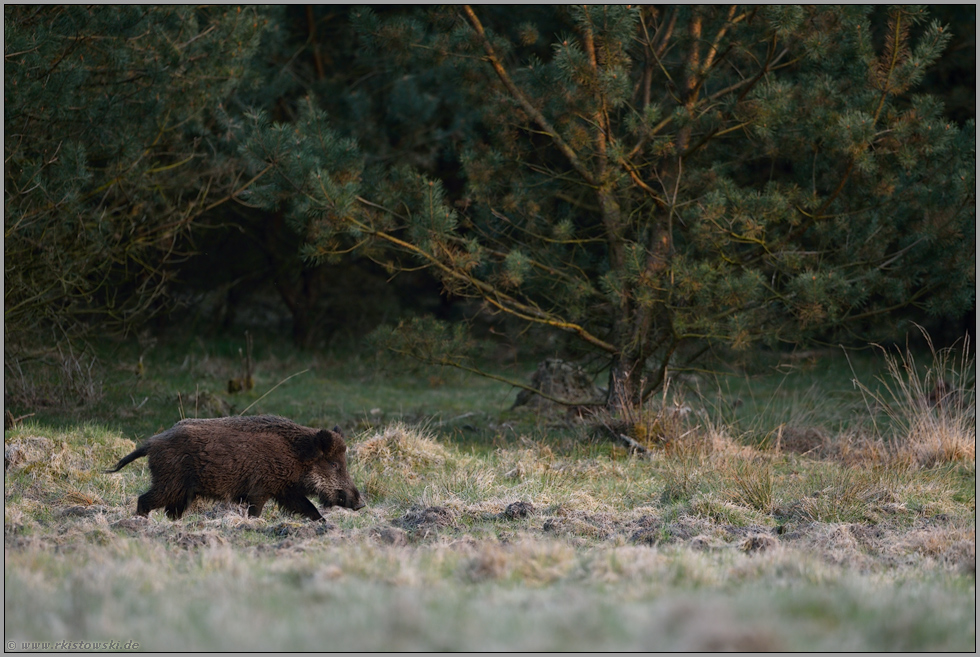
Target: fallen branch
[[633, 446], [10, 421]]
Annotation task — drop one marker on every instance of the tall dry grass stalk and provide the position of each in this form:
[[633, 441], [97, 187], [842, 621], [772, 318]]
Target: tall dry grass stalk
[[932, 412], [52, 377]]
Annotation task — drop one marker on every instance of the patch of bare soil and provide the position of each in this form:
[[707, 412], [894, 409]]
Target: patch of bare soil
[[518, 510], [390, 536], [299, 530], [429, 519]]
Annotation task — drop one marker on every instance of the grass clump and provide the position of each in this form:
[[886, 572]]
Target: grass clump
[[397, 461], [397, 447], [931, 411], [49, 472], [754, 483]]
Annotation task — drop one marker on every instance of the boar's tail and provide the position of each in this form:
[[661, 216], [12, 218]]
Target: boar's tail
[[140, 452]]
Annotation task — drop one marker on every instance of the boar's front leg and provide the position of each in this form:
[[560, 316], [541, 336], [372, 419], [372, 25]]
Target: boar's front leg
[[293, 499]]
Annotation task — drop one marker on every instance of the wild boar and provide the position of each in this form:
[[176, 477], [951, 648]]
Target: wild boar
[[248, 460]]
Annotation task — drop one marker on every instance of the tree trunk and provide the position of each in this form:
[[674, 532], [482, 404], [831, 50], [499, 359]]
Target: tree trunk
[[298, 286], [301, 298], [625, 382]]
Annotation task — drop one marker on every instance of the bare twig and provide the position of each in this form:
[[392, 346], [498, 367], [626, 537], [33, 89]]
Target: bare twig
[[273, 388]]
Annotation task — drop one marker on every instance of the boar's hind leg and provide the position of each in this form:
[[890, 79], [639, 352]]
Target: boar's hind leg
[[148, 501], [294, 500]]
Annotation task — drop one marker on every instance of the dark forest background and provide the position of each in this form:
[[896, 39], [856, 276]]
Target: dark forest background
[[158, 168]]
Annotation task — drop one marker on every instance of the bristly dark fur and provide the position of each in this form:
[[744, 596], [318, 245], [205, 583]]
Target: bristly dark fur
[[249, 460]]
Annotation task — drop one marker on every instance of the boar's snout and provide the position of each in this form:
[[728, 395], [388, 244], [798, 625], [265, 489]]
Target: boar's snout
[[352, 500], [349, 499]]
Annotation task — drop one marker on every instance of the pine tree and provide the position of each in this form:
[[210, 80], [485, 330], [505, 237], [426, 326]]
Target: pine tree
[[307, 51], [656, 180], [115, 143]]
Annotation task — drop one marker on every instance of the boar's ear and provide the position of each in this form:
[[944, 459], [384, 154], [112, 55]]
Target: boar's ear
[[331, 443], [314, 446], [322, 444]]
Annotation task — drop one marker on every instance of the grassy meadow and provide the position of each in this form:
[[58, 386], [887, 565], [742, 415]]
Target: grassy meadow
[[813, 501]]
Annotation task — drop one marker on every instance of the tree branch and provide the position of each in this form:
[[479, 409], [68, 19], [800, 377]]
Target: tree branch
[[524, 102], [491, 294]]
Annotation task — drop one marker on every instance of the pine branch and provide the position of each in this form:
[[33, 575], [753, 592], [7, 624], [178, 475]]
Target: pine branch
[[895, 46], [601, 118], [895, 49], [488, 292], [526, 104], [709, 58]]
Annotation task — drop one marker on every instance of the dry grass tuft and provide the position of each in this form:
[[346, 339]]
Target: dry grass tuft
[[691, 463], [69, 458], [396, 459], [491, 562], [962, 554], [957, 546], [714, 441], [855, 449], [542, 562], [400, 446], [533, 459], [23, 452], [801, 440], [933, 412]]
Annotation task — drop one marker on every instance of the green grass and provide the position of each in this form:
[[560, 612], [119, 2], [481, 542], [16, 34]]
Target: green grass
[[353, 391], [718, 540]]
